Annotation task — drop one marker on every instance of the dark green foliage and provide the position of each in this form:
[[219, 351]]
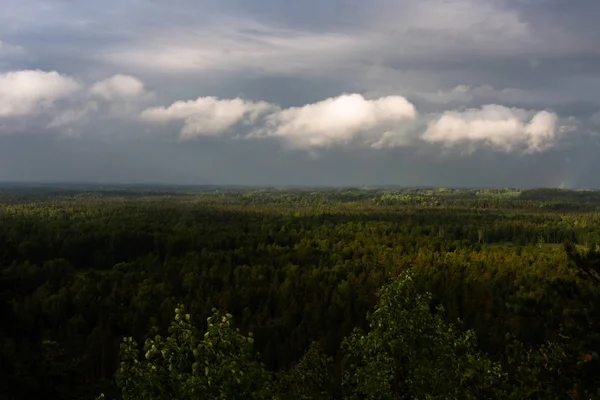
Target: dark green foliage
[[542, 373], [81, 270], [587, 262], [409, 352], [309, 378]]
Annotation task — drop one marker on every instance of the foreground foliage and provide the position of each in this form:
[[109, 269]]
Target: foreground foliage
[[187, 365], [408, 352]]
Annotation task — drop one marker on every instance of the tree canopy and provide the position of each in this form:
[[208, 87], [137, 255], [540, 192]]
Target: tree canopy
[[348, 293]]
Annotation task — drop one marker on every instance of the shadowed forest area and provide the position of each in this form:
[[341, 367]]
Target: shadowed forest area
[[181, 293]]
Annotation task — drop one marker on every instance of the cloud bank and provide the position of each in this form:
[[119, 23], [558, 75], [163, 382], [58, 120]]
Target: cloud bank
[[347, 119], [378, 123]]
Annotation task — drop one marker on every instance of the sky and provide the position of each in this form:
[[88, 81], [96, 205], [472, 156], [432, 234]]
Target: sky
[[495, 93]]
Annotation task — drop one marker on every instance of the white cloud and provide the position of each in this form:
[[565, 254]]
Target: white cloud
[[118, 87], [339, 120], [32, 91], [502, 128], [120, 96], [56, 101], [207, 116]]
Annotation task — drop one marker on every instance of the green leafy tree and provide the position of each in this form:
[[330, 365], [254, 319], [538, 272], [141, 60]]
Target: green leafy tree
[[220, 364], [409, 352]]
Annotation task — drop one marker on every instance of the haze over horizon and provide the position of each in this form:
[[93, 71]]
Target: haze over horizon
[[501, 93]]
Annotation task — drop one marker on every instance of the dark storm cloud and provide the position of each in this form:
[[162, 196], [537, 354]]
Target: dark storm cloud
[[448, 58]]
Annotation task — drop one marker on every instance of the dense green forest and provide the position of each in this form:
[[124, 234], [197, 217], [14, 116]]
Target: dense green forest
[[181, 293]]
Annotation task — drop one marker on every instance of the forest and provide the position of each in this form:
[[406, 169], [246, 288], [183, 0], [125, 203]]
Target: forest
[[299, 293]]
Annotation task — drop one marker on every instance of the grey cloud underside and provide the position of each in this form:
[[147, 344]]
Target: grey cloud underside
[[532, 55], [254, 163]]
